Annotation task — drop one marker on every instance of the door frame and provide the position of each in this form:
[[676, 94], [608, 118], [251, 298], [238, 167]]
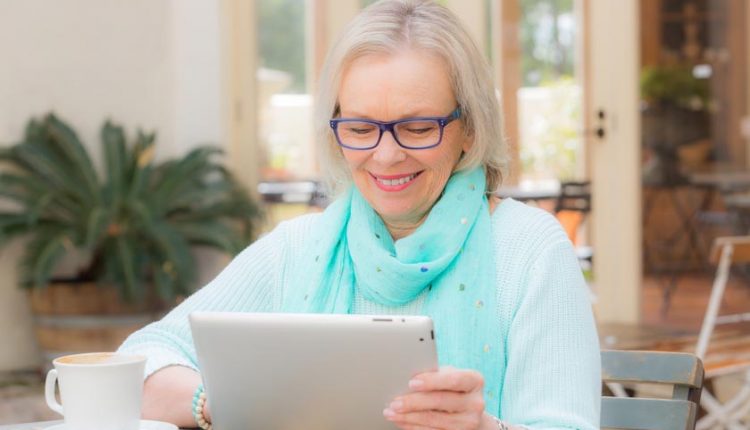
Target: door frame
[[611, 71]]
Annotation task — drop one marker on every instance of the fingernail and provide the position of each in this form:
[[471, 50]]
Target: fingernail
[[416, 383], [396, 405], [388, 412]]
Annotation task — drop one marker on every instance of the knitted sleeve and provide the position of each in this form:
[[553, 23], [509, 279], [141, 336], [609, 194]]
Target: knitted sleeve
[[553, 375], [247, 284]]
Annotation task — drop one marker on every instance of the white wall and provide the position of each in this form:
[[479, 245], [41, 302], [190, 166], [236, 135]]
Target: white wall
[[152, 64], [196, 72]]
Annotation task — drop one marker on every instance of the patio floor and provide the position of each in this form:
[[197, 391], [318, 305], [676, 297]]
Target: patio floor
[[22, 399]]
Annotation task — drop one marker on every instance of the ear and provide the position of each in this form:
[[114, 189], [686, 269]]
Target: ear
[[467, 143]]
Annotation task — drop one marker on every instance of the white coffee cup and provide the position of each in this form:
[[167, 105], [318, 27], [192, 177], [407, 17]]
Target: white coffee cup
[[99, 391]]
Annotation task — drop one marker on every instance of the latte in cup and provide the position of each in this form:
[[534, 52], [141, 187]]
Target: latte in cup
[[98, 391], [94, 358]]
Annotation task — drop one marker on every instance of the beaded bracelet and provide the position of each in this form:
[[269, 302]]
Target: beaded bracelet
[[199, 403], [501, 424]]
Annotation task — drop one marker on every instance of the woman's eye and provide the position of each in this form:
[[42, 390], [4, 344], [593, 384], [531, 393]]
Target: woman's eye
[[360, 130], [421, 130]]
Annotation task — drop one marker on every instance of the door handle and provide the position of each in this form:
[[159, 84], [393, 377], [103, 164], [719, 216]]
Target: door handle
[[599, 131]]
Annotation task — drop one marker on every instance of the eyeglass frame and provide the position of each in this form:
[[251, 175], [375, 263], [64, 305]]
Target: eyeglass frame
[[389, 126]]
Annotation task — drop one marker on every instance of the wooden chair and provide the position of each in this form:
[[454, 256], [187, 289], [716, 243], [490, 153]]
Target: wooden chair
[[682, 371], [725, 252]]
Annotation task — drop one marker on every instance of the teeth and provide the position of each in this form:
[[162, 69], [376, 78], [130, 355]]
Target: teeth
[[394, 182]]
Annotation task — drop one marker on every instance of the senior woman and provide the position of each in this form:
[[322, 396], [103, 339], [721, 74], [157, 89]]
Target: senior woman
[[411, 139]]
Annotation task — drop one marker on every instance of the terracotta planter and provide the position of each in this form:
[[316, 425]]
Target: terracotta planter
[[82, 317]]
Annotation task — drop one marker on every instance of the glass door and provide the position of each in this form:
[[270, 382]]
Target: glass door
[[694, 169]]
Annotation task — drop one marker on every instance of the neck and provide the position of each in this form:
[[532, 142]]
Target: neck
[[402, 228]]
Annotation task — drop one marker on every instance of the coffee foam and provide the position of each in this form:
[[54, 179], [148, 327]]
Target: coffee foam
[[96, 358]]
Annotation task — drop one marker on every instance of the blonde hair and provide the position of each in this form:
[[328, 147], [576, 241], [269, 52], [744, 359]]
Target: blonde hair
[[389, 26]]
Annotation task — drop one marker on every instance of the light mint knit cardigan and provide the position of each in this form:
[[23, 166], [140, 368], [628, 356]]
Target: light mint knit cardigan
[[551, 378]]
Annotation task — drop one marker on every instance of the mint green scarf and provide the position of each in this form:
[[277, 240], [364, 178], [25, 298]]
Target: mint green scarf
[[450, 255]]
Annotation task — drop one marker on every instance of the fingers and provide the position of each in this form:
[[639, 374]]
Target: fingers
[[448, 379], [444, 401], [413, 427], [436, 420]]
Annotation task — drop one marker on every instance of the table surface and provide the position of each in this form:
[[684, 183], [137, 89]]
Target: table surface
[[30, 426]]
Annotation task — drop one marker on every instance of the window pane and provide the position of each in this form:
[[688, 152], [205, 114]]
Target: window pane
[[285, 126], [549, 101]]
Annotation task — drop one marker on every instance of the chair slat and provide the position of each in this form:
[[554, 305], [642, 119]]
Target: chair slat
[[656, 367], [647, 414]]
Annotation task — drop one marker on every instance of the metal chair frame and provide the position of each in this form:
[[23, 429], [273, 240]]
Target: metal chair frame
[[725, 251]]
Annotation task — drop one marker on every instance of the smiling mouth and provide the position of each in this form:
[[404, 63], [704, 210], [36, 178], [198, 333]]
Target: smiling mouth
[[392, 182]]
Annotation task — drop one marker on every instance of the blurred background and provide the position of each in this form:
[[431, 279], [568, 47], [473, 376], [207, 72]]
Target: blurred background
[[626, 119]]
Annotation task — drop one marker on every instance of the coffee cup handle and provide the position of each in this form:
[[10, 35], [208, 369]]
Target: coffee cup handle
[[49, 392]]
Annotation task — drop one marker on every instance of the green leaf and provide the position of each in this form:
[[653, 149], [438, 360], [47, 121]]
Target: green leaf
[[175, 175], [165, 284], [75, 154], [212, 233], [129, 279], [42, 253], [96, 225], [47, 167], [116, 161]]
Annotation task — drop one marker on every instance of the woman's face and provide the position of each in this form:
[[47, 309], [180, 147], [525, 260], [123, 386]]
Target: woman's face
[[389, 87]]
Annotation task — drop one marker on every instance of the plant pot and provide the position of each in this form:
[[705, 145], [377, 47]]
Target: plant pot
[[75, 317]]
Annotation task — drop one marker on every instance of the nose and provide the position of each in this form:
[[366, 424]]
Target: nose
[[388, 152]]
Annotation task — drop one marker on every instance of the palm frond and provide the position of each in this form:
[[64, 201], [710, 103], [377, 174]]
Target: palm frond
[[75, 155], [173, 250], [35, 130], [116, 162], [13, 225], [49, 168], [213, 233], [172, 176], [43, 251], [26, 191], [96, 225], [141, 164], [166, 286], [129, 278]]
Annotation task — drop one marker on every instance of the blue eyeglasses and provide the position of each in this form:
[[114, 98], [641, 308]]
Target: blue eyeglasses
[[410, 133]]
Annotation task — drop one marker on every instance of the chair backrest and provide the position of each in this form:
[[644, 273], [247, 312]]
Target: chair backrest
[[574, 196], [682, 371]]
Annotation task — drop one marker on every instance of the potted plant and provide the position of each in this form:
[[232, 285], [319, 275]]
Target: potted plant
[[133, 228]]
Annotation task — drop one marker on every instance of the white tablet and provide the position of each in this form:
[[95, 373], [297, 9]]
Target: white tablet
[[265, 371]]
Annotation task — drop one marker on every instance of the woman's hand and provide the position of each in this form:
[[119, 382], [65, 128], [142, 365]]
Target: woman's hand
[[447, 399]]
